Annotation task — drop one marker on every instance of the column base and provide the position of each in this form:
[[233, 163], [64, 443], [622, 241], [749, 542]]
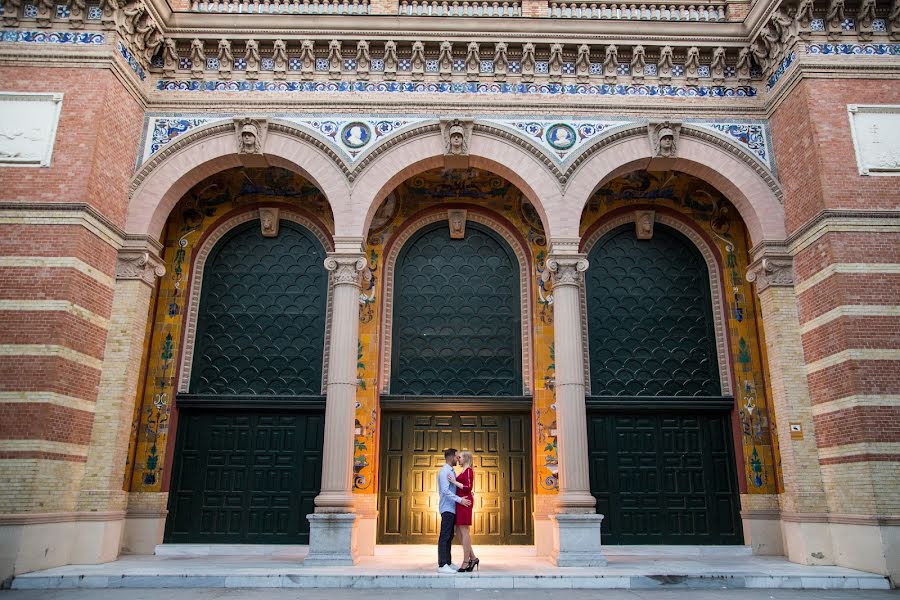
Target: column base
[[143, 533], [807, 539], [576, 540], [762, 532], [332, 540]]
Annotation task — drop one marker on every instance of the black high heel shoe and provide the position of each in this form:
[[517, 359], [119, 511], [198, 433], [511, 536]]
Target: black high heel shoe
[[473, 564], [465, 567]]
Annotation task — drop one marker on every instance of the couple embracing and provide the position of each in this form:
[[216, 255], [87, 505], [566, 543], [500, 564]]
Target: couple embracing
[[455, 506]]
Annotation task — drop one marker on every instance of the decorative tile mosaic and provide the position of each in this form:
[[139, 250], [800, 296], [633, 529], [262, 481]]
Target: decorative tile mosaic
[[212, 64], [377, 65], [623, 69], [817, 25], [131, 60], [596, 68], [787, 62], [52, 37], [730, 71], [267, 64], [404, 64], [63, 11], [321, 64], [184, 62], [703, 71], [162, 130], [752, 136], [349, 64], [157, 61], [487, 66], [514, 66], [459, 65], [879, 25], [868, 49], [559, 139], [240, 64], [677, 70], [431, 66], [541, 66], [649, 69], [294, 64], [94, 13], [30, 11], [394, 87], [568, 68], [848, 24]]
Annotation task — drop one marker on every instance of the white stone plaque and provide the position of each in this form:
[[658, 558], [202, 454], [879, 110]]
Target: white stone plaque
[[28, 128], [876, 138]]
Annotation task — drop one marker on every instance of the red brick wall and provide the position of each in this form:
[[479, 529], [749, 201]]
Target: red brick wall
[[814, 148], [96, 141]]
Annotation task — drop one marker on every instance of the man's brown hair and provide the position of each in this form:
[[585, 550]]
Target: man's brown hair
[[449, 452]]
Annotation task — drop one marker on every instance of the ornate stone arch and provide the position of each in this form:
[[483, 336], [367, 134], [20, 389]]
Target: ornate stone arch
[[421, 148], [496, 225], [164, 179], [716, 288], [740, 177], [195, 287]]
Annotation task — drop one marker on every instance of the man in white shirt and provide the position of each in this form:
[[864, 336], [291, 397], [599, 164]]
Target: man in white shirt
[[447, 508]]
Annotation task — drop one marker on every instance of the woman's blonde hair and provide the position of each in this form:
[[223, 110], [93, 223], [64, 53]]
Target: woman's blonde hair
[[465, 459]]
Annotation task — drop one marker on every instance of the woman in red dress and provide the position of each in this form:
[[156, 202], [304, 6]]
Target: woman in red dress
[[465, 482]]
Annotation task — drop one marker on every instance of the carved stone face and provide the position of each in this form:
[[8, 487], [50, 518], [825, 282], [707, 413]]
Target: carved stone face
[[248, 139], [267, 223], [645, 226], [666, 142], [456, 142]]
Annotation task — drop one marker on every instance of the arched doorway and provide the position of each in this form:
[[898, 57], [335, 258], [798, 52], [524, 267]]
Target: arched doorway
[[659, 432], [455, 380], [247, 461]]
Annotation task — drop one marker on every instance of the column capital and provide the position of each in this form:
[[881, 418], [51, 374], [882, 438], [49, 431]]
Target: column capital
[[138, 261], [345, 267], [771, 270], [568, 268]]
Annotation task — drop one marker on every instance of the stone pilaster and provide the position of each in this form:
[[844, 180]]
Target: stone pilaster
[[137, 269], [333, 527], [576, 526], [806, 534]]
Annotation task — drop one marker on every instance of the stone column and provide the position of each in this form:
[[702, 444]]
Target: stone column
[[804, 526], [333, 527], [576, 525], [102, 495]]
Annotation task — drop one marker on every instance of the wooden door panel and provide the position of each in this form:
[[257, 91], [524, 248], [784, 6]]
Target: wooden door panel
[[409, 498], [664, 478]]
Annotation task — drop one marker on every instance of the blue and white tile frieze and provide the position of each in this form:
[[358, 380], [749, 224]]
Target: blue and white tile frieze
[[561, 139], [398, 87], [131, 60], [854, 49], [787, 62], [752, 136], [52, 37]]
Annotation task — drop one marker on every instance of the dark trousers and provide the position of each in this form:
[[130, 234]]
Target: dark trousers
[[445, 541]]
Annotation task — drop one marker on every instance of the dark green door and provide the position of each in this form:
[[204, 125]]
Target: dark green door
[[664, 477], [412, 454], [248, 448], [457, 315], [661, 453]]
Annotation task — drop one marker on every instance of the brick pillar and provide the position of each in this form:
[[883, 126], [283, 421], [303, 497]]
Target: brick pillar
[[806, 535], [102, 490]]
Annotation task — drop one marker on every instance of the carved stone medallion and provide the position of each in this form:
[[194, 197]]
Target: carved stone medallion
[[268, 222], [457, 219]]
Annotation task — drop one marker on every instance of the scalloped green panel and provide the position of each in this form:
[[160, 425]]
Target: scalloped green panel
[[261, 324], [650, 321], [457, 316]]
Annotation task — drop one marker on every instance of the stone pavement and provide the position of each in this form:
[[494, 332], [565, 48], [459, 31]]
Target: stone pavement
[[413, 567]]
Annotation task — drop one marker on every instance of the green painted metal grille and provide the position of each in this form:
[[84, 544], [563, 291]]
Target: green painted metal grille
[[262, 315], [457, 316], [650, 318]]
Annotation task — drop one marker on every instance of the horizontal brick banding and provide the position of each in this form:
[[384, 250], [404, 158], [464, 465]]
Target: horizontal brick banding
[[842, 289], [48, 374], [857, 425], [51, 283], [846, 247], [857, 458], [57, 240], [852, 377], [851, 332], [24, 454], [45, 422], [58, 328]]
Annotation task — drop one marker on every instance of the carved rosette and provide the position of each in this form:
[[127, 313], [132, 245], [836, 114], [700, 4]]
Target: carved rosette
[[775, 271], [567, 269], [345, 268], [139, 265]]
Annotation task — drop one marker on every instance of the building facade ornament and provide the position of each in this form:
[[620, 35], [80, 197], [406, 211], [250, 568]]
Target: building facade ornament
[[225, 57], [456, 217], [198, 58], [568, 269], [345, 268], [251, 59], [664, 138], [457, 134], [269, 222], [139, 264], [279, 60], [250, 134], [771, 270], [643, 224]]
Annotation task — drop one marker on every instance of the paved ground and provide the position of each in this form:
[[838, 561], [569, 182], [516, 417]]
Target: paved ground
[[310, 594]]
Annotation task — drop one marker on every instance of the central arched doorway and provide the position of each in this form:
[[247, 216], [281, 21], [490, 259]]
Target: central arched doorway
[[456, 380]]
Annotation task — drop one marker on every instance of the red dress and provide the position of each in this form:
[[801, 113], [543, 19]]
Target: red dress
[[464, 513]]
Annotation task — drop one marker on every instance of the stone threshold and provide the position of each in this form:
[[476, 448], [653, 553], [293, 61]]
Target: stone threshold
[[503, 567]]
